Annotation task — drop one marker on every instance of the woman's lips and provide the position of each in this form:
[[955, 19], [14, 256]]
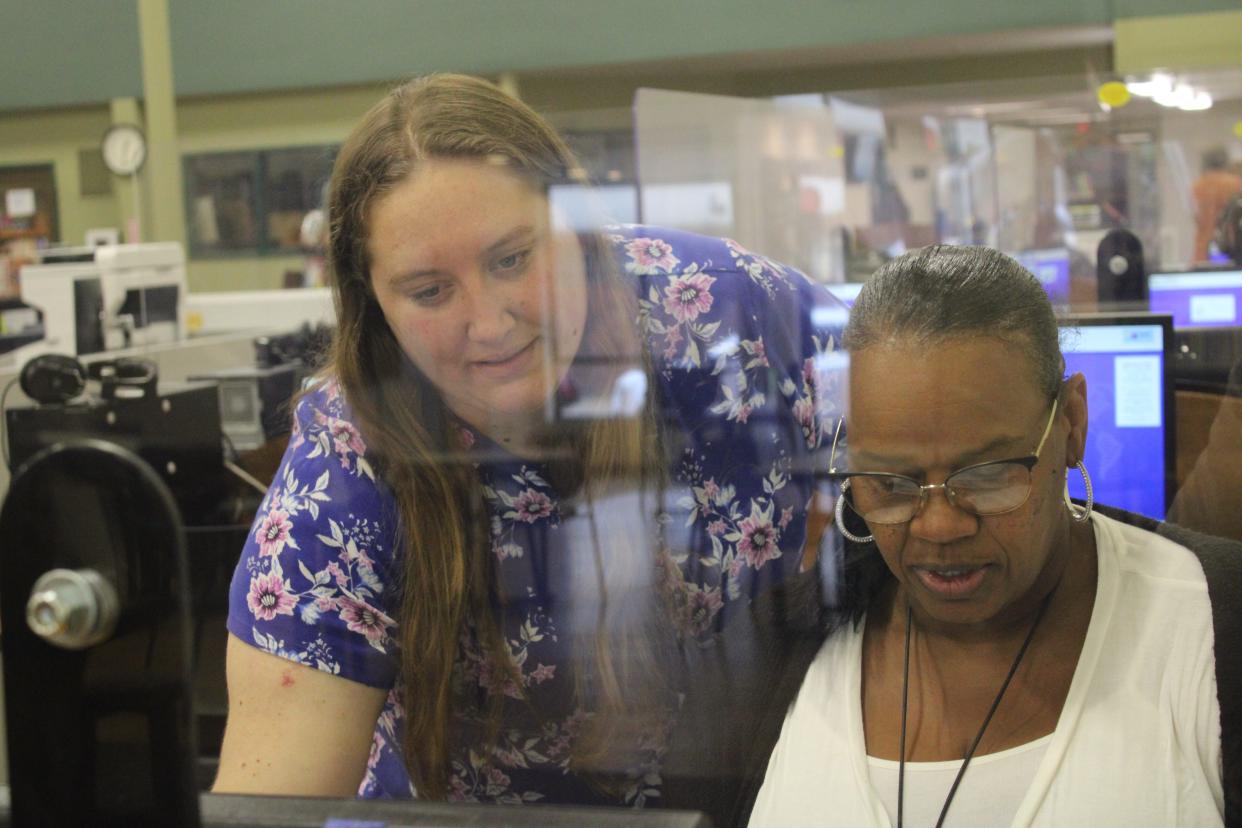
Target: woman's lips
[[511, 365], [951, 581]]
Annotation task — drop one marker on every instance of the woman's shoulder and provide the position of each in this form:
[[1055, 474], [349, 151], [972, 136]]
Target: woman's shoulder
[[324, 427], [1148, 557], [648, 250]]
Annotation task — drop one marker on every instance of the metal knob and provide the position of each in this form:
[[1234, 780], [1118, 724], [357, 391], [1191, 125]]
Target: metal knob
[[72, 608]]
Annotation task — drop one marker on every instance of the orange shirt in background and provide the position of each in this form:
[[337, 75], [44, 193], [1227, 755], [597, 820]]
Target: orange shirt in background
[[1212, 192]]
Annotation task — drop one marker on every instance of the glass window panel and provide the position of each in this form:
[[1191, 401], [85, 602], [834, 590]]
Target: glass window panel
[[223, 198]]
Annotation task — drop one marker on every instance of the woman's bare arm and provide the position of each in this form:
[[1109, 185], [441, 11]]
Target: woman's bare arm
[[293, 730]]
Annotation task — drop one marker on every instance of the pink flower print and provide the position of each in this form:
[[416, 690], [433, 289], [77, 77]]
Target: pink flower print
[[346, 439], [786, 516], [757, 350], [716, 527], [704, 605], [267, 597], [804, 413], [334, 570], [540, 674], [497, 782], [808, 372], [273, 532], [672, 338], [648, 256], [466, 437], [688, 296], [362, 618], [531, 506], [758, 543], [711, 489], [377, 745]]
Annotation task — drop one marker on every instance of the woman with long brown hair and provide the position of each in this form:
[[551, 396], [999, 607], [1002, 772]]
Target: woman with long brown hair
[[539, 466]]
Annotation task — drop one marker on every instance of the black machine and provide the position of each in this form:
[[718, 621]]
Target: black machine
[[1120, 274], [96, 633], [254, 401], [177, 431]]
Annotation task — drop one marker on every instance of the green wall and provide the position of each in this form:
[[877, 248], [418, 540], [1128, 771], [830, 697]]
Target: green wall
[[74, 51]]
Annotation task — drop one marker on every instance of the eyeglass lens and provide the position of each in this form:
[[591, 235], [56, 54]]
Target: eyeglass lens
[[988, 489]]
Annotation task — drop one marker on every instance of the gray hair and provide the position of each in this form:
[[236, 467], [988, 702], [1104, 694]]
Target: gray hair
[[947, 292]]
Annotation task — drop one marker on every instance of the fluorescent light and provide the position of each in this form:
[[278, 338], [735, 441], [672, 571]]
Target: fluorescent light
[[1201, 101], [1159, 84]]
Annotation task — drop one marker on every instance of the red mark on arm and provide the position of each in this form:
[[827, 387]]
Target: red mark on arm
[[286, 680]]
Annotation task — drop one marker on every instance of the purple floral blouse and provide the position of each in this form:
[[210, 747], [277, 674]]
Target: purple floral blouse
[[738, 343]]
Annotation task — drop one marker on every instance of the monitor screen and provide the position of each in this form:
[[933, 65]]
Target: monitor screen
[[847, 292], [1130, 440], [1198, 299], [1052, 268]]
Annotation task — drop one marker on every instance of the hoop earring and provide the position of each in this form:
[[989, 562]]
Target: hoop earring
[[841, 519], [1081, 514]]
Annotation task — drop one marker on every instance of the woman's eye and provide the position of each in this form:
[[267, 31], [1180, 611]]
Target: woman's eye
[[427, 294], [513, 261]]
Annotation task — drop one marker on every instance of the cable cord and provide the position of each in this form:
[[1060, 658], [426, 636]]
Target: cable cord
[[4, 435], [905, 688]]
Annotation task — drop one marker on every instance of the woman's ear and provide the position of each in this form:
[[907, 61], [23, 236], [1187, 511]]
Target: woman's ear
[[1075, 412]]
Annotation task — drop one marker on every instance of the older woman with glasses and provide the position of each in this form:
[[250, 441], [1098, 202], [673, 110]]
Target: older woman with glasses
[[1021, 659]]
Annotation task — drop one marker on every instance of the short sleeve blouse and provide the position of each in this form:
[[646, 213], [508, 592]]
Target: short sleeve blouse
[[743, 351]]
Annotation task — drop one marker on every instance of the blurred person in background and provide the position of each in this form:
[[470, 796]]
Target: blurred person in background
[[1212, 190]]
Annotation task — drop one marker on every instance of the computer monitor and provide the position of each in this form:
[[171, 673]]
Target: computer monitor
[[1052, 268], [1198, 298], [847, 292], [1130, 422]]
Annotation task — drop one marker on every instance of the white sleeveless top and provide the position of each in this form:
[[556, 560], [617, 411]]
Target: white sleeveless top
[[1137, 742], [989, 795]]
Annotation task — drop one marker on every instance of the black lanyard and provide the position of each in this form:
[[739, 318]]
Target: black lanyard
[[905, 696]]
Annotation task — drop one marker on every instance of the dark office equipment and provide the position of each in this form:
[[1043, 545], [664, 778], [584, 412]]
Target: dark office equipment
[[1204, 358], [20, 324], [88, 316], [127, 378], [53, 378], [1127, 360], [305, 812], [304, 347], [177, 431], [96, 636], [1120, 272], [254, 402]]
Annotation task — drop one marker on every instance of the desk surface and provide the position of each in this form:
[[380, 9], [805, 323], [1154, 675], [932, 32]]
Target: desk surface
[[221, 810]]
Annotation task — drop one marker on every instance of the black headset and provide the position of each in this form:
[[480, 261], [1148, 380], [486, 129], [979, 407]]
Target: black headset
[[55, 379]]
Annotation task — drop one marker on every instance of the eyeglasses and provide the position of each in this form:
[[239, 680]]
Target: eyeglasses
[[990, 488]]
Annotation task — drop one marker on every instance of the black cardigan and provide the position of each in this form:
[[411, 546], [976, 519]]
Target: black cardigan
[[741, 689]]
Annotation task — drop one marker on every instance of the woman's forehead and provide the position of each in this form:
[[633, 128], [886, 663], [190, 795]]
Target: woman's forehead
[[970, 385]]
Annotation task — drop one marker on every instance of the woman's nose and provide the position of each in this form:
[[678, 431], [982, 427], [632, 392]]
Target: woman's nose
[[489, 317], [939, 521]]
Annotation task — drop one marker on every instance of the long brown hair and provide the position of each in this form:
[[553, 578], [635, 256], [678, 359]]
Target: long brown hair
[[448, 575]]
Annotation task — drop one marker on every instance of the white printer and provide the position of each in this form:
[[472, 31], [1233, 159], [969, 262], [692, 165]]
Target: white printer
[[104, 298]]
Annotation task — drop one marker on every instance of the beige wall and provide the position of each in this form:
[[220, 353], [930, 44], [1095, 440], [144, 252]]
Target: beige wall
[[1175, 41], [55, 137]]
